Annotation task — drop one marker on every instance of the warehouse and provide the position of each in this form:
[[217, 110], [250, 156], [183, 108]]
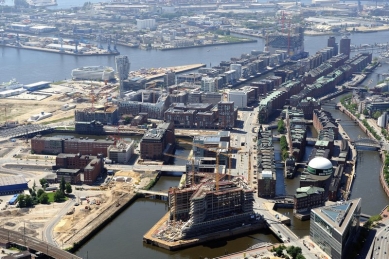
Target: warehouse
[[12, 184]]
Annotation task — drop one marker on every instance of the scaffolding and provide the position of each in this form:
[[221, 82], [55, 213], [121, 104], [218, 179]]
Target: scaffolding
[[202, 208]]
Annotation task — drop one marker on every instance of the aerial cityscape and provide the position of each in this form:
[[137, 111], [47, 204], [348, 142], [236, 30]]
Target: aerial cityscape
[[194, 129]]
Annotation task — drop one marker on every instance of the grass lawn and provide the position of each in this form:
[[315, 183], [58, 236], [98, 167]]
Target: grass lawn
[[51, 197]]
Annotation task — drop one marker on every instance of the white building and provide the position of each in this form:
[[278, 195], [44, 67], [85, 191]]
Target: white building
[[238, 97], [237, 68], [145, 24], [208, 84], [382, 120], [121, 152]]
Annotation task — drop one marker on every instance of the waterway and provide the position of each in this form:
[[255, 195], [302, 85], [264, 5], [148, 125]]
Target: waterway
[[55, 67], [123, 237]]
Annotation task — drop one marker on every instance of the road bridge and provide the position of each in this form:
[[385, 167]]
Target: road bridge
[[35, 244], [366, 143], [165, 194]]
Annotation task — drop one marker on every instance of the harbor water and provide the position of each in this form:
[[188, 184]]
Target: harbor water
[[56, 67], [124, 234]]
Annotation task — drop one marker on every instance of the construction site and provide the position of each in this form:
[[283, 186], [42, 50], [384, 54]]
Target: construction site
[[288, 39], [205, 207]]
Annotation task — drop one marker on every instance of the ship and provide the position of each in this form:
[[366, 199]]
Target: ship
[[42, 3], [93, 73], [12, 84]]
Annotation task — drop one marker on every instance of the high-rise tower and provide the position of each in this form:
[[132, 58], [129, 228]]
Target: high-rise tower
[[345, 46], [122, 68]]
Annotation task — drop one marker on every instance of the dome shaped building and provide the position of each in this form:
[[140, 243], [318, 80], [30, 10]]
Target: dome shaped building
[[320, 166]]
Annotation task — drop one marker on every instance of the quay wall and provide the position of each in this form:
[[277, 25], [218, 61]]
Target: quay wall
[[105, 217], [210, 45], [384, 184]]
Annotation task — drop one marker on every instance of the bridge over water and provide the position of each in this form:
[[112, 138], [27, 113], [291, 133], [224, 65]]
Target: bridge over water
[[164, 194], [35, 244], [366, 143]]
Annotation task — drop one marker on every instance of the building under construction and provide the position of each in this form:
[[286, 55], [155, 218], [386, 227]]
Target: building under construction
[[104, 114], [292, 42], [208, 206]]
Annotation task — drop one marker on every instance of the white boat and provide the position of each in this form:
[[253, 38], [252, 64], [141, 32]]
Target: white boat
[[13, 84], [93, 73]]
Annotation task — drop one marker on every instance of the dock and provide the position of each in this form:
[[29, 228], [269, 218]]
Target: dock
[[149, 237], [152, 74], [56, 51]]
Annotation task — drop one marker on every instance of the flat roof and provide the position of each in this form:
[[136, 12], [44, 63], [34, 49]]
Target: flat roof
[[338, 215], [12, 180]]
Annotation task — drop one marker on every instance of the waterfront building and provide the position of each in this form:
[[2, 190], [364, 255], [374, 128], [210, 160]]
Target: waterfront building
[[156, 142], [307, 198], [345, 46], [169, 79], [86, 127], [323, 120], [237, 68], [106, 115], [307, 105], [334, 228], [123, 70], [196, 210], [318, 172], [145, 24], [121, 152], [99, 73], [266, 165], [332, 43], [208, 84], [239, 97], [55, 145], [91, 166]]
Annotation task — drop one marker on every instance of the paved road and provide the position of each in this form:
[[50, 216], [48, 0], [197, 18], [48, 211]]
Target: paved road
[[49, 226], [380, 247]]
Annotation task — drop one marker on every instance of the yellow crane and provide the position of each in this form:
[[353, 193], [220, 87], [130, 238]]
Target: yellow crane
[[217, 152]]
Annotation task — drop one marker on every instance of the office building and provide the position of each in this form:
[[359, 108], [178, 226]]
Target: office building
[[334, 228], [123, 69], [156, 142], [345, 46]]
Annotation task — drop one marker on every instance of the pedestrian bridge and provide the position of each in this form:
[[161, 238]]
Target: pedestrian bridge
[[165, 194], [366, 143], [35, 244]]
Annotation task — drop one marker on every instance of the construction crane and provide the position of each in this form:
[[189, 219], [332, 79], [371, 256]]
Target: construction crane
[[217, 152], [191, 159]]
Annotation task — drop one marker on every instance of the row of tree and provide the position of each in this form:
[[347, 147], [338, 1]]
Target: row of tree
[[284, 147]]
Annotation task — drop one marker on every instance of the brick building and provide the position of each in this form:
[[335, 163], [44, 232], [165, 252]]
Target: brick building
[[156, 142], [227, 115], [90, 166], [307, 198]]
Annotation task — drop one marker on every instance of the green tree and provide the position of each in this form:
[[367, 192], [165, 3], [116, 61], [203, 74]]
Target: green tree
[[22, 200], [43, 182], [300, 256], [58, 196], [44, 198], [365, 112], [293, 251], [376, 114], [68, 188], [40, 192], [62, 185], [28, 200], [281, 126]]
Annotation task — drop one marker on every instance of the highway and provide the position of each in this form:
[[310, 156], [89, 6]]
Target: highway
[[35, 244]]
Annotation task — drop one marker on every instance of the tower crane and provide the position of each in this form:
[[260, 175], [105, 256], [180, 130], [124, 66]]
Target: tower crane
[[217, 152]]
